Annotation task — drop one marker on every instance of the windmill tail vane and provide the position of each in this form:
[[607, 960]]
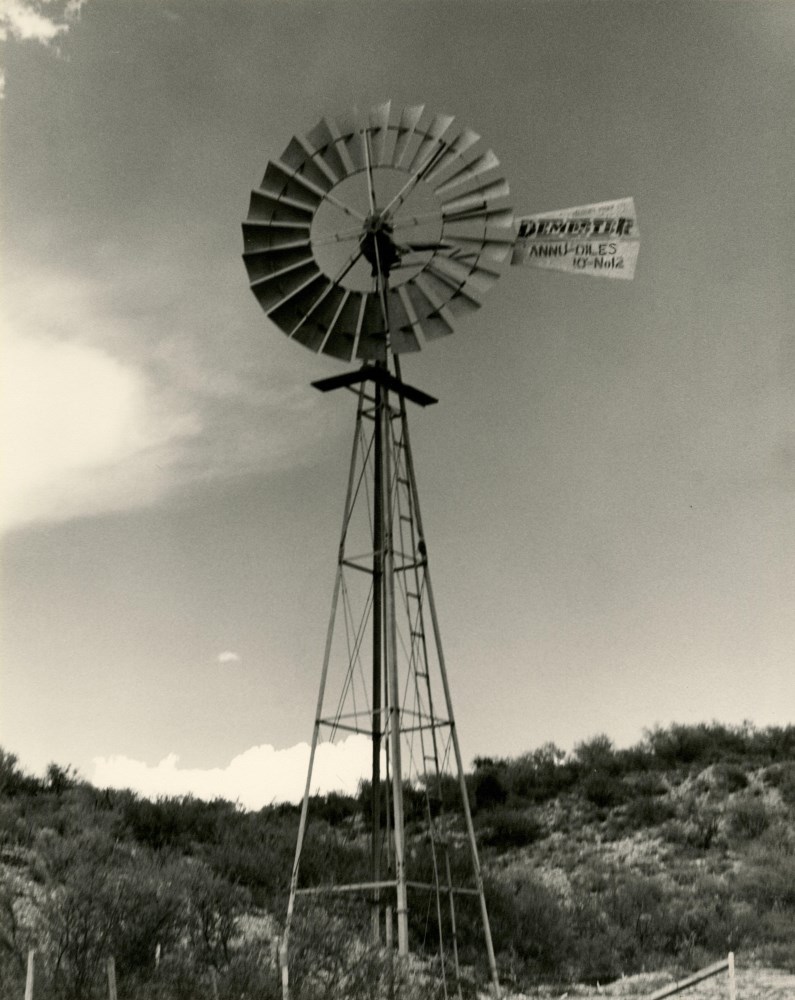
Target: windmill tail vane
[[600, 240]]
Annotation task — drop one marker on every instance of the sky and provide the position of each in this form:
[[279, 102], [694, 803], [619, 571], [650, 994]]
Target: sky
[[607, 483]]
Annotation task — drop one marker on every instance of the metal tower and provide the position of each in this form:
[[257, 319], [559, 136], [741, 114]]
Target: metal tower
[[392, 684]]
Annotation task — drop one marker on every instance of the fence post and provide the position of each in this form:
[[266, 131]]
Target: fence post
[[285, 971], [112, 978], [29, 978], [732, 980]]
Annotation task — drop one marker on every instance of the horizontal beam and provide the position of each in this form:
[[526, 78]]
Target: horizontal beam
[[683, 984], [317, 890], [384, 378], [429, 886]]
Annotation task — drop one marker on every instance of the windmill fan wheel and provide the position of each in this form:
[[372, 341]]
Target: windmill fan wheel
[[369, 236]]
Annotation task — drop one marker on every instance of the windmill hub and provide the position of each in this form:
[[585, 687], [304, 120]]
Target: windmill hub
[[378, 247]]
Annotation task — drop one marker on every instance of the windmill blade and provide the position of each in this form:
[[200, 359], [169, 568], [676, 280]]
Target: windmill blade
[[454, 152], [485, 162], [324, 141], [372, 332], [478, 198], [292, 315], [404, 330], [265, 236], [601, 240], [299, 159], [275, 288], [350, 131], [379, 130], [433, 136], [341, 341], [409, 120], [263, 263], [493, 247], [433, 317], [265, 208]]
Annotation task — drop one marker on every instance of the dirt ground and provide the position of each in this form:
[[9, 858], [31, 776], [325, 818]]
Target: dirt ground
[[751, 984]]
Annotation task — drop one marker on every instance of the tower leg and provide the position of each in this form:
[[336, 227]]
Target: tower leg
[[385, 431], [284, 956], [478, 875], [378, 619]]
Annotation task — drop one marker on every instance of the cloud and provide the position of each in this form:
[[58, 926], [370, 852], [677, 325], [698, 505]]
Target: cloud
[[43, 22], [82, 431], [110, 400], [255, 778], [228, 657]]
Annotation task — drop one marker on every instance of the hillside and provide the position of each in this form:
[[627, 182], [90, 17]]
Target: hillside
[[599, 865]]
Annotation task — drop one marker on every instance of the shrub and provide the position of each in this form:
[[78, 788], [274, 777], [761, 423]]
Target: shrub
[[490, 790], [648, 784], [782, 777], [648, 811], [748, 818], [531, 926], [603, 790], [699, 831], [539, 775], [597, 755], [13, 781], [768, 878], [510, 828], [731, 777]]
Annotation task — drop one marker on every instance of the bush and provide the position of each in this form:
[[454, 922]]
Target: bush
[[647, 811], [490, 790], [603, 790], [597, 755], [539, 775], [782, 777], [507, 828], [748, 818], [530, 925], [731, 777], [13, 781]]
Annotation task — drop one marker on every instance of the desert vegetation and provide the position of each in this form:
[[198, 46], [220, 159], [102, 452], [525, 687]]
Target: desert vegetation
[[599, 863]]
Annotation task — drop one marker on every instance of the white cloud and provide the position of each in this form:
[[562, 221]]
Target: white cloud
[[81, 431], [27, 20], [228, 657], [255, 778], [105, 406]]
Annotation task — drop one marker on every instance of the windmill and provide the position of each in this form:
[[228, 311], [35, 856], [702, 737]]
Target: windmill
[[366, 240]]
